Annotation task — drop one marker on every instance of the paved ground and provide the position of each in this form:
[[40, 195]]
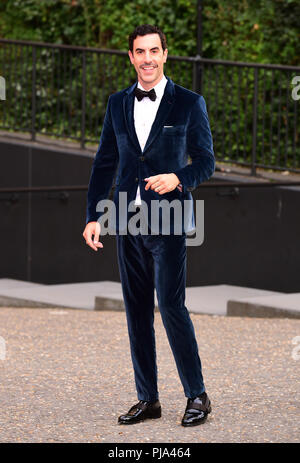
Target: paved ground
[[67, 375]]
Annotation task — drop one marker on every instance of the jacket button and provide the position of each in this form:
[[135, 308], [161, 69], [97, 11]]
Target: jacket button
[[142, 158], [136, 179]]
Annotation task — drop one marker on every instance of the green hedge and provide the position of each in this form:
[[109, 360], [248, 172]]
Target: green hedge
[[265, 31]]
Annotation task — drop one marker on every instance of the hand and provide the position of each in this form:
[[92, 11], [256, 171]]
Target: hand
[[92, 228], [162, 183]]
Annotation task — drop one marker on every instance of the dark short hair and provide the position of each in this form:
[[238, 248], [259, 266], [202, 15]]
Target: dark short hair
[[146, 29]]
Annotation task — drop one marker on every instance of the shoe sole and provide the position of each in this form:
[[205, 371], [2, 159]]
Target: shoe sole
[[151, 417]]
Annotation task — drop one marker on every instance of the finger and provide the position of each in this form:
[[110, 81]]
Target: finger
[[94, 244], [149, 183], [98, 244], [96, 232], [163, 191], [151, 180], [158, 185], [90, 243], [87, 235], [97, 235]]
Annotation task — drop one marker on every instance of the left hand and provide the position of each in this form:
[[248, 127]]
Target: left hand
[[162, 183]]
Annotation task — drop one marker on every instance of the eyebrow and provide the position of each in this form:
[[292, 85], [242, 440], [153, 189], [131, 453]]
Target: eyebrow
[[142, 49]]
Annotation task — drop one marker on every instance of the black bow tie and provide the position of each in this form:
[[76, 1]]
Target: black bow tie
[[140, 94]]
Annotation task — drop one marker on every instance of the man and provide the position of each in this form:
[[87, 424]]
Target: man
[[149, 130]]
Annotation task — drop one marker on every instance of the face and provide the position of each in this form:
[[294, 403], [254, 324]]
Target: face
[[148, 58]]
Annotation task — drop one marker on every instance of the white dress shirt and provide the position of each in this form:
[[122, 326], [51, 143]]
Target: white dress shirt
[[144, 116]]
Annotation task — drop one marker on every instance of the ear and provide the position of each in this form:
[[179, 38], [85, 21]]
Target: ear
[[165, 55], [131, 57]]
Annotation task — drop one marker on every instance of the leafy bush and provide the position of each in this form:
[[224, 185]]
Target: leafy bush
[[265, 31]]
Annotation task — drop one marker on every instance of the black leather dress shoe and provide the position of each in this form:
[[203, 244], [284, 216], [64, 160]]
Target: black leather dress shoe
[[196, 410], [140, 412]]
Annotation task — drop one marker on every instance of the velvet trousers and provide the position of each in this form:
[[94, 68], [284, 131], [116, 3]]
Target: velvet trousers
[[158, 261]]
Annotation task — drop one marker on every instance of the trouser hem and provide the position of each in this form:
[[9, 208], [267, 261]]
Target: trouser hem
[[191, 395], [151, 399]]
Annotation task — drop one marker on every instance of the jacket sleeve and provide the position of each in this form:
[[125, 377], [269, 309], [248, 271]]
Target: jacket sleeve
[[103, 168], [199, 148]]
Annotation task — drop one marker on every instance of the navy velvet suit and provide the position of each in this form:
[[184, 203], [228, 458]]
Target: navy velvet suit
[[155, 261], [181, 128]]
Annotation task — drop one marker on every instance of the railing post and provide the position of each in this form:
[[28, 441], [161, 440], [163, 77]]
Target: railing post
[[197, 75], [197, 67], [33, 93], [254, 123], [83, 101]]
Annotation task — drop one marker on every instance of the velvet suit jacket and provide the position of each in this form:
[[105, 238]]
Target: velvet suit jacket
[[181, 129]]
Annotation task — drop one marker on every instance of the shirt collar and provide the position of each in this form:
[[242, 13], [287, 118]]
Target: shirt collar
[[159, 88]]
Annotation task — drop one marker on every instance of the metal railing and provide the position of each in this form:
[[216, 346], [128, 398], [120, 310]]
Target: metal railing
[[62, 91]]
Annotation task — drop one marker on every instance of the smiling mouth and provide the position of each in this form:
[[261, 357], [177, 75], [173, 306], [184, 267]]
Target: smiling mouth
[[148, 68]]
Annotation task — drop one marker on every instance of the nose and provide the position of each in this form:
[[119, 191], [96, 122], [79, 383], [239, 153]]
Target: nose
[[147, 56]]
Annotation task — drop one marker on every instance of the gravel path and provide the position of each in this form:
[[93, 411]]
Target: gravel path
[[66, 376]]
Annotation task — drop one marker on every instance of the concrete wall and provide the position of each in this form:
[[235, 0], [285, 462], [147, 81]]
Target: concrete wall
[[251, 239]]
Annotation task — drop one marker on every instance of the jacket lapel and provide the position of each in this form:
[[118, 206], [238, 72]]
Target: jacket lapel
[[128, 108], [163, 112], [166, 104]]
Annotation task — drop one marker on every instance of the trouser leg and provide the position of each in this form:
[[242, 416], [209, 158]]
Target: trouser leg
[[136, 273], [169, 254]]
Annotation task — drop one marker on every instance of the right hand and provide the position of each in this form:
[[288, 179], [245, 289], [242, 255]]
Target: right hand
[[92, 228]]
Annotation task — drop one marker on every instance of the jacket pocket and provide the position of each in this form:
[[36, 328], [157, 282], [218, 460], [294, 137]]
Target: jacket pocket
[[173, 131]]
